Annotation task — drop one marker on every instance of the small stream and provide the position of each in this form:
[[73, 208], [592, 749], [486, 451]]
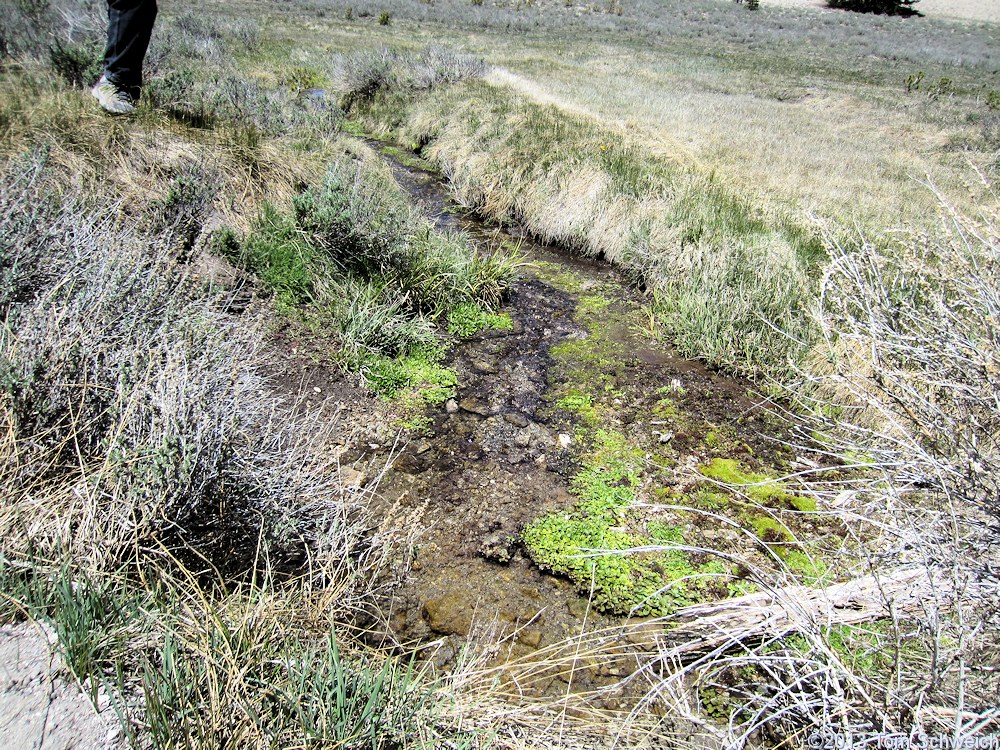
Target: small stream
[[501, 454]]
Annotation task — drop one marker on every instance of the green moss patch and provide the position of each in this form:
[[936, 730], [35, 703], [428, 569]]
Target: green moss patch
[[590, 544], [759, 487], [416, 376], [468, 319]]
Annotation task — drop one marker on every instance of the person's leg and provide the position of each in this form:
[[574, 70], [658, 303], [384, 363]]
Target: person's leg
[[130, 25]]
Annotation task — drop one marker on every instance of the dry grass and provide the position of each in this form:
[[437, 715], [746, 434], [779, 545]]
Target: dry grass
[[137, 162], [847, 152]]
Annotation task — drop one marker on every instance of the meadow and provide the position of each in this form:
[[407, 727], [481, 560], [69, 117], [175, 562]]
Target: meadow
[[802, 198]]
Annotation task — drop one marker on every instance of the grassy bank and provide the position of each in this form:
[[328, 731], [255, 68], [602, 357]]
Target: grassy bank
[[733, 284]]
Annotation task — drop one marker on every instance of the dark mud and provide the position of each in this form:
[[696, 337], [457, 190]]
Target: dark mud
[[502, 453]]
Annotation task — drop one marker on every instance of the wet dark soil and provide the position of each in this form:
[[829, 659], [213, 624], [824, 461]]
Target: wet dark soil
[[502, 452]]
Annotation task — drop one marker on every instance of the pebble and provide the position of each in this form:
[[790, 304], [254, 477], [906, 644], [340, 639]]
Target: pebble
[[518, 420], [352, 477], [450, 614], [484, 367], [530, 637], [451, 406], [474, 406]]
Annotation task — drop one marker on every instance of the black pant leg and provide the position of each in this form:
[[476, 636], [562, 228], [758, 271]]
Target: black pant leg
[[130, 25]]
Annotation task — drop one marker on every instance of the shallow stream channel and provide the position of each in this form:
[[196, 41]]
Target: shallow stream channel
[[575, 429]]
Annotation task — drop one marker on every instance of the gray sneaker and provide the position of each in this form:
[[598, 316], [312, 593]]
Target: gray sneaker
[[113, 98]]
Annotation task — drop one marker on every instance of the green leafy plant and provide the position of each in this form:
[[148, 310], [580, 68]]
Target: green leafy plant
[[467, 319], [80, 63], [277, 253]]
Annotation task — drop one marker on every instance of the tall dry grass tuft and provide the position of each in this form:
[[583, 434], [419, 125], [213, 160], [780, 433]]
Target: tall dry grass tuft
[[900, 401]]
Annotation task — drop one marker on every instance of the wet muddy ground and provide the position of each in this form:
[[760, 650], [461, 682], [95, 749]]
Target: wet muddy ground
[[503, 451]]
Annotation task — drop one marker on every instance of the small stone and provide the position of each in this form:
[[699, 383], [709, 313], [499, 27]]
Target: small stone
[[498, 547], [666, 437], [522, 439], [484, 367], [518, 420], [530, 637], [449, 614], [440, 654], [422, 447], [565, 441], [352, 478], [643, 633], [451, 406], [474, 406]]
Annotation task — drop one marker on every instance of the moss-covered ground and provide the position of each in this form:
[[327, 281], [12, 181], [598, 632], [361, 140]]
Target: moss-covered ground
[[676, 493]]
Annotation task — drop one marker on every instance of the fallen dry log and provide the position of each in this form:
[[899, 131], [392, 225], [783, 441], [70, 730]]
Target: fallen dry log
[[764, 615]]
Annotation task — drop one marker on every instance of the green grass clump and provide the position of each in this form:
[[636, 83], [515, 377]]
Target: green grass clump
[[373, 320], [277, 253], [356, 259], [184, 665], [362, 221]]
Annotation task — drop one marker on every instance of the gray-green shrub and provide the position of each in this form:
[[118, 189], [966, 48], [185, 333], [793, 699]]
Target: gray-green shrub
[[132, 400]]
